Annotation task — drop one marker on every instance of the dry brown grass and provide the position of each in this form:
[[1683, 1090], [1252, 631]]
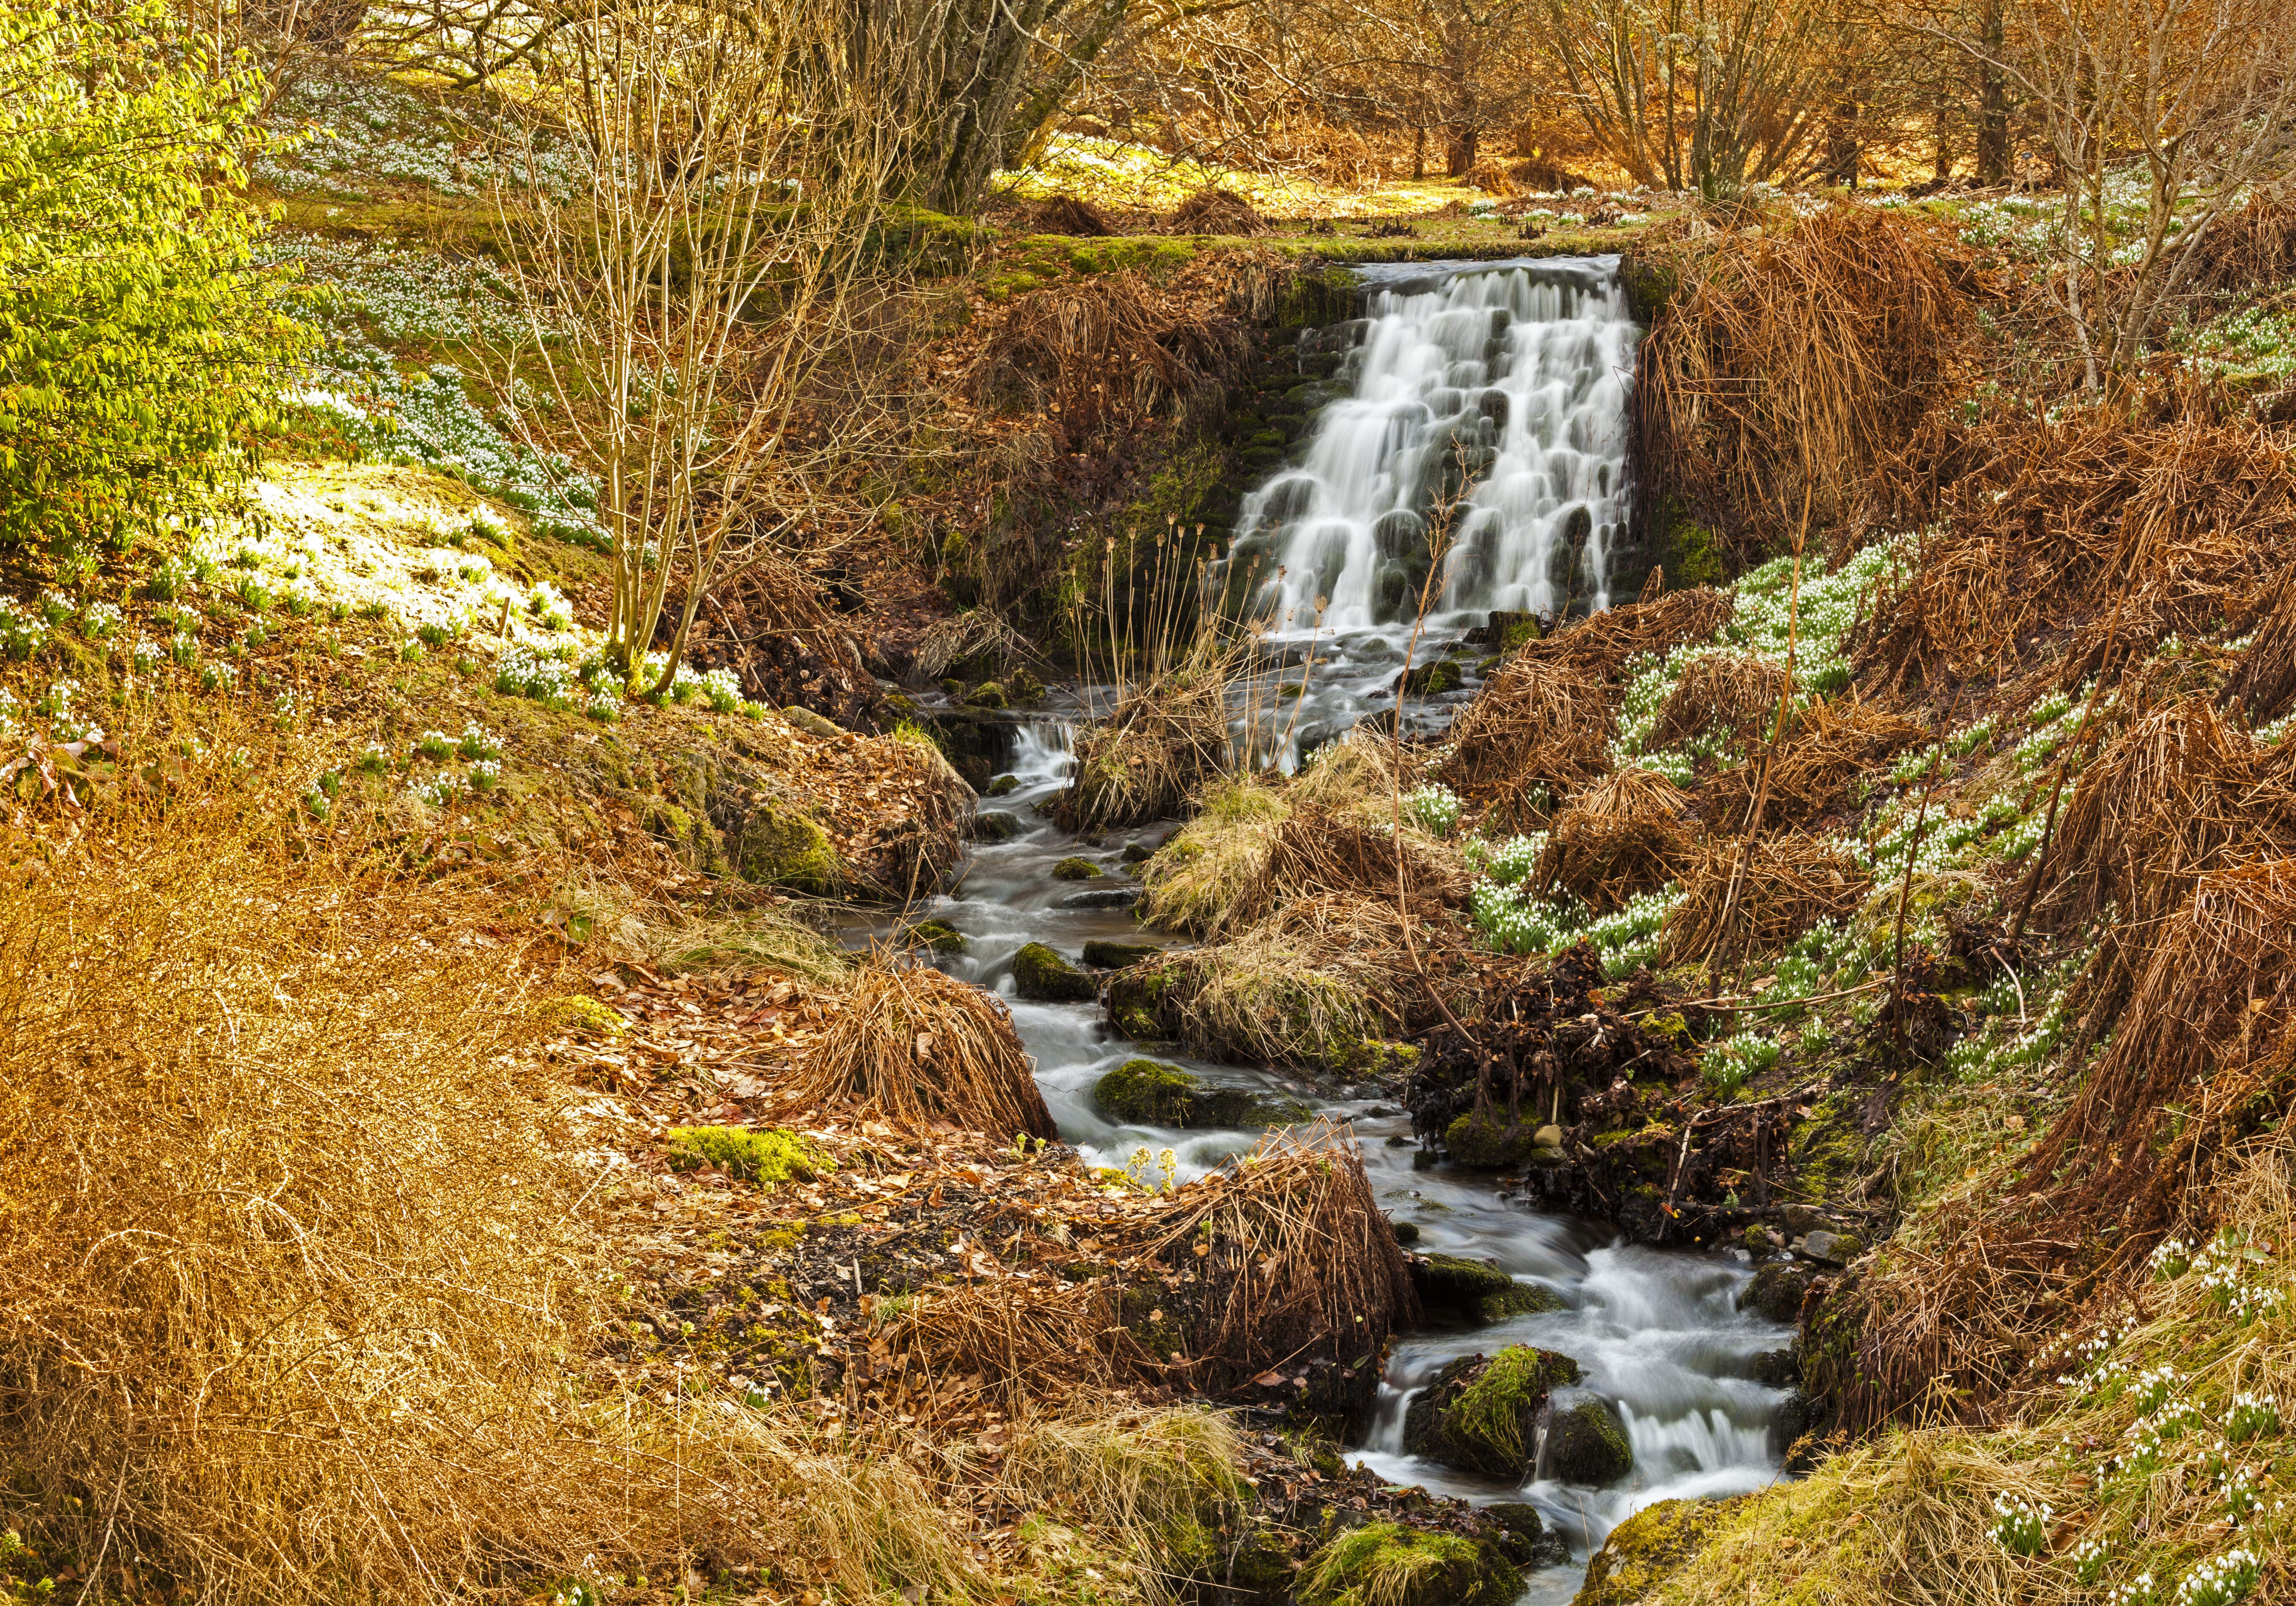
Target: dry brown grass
[[1602, 645], [1627, 834], [1827, 745], [1540, 729], [1788, 884], [2124, 536], [2264, 682], [1290, 1256], [1108, 353], [2256, 245], [1213, 210], [1785, 367], [1736, 694], [294, 1285], [1164, 742], [915, 1046]]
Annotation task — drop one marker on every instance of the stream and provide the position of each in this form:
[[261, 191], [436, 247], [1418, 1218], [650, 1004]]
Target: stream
[[1656, 1332]]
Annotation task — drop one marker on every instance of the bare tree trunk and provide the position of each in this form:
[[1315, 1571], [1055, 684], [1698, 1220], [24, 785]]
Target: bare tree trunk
[[1992, 96]]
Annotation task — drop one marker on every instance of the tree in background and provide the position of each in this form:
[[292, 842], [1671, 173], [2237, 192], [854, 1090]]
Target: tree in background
[[679, 308], [141, 352], [2162, 115]]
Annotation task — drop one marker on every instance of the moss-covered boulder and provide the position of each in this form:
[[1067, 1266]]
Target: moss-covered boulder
[[938, 936], [581, 1012], [1116, 955], [779, 847], [1076, 869], [1003, 785], [1387, 1564], [1776, 1291], [1475, 1291], [1147, 1093], [1645, 1550], [1044, 977], [1480, 1413], [987, 694], [1481, 1138], [993, 825], [1586, 1442], [764, 1155], [1433, 680]]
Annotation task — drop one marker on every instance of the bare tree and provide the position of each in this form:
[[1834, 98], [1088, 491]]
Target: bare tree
[[678, 311], [1698, 94], [2161, 114]]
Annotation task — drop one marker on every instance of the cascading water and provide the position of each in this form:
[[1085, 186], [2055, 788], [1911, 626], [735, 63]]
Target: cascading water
[[1502, 388], [1484, 412]]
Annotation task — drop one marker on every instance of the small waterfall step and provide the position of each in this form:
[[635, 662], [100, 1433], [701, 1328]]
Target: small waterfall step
[[1478, 419]]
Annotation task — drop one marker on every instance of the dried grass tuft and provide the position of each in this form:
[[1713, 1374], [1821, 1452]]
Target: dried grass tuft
[[1785, 367], [1071, 215], [915, 1046], [1788, 884], [1736, 694], [1108, 353], [1602, 644], [2264, 682], [1197, 880], [1827, 746], [1164, 743], [1627, 834], [1539, 729], [1213, 210]]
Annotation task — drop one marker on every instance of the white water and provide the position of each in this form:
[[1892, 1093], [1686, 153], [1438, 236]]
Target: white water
[[1516, 373]]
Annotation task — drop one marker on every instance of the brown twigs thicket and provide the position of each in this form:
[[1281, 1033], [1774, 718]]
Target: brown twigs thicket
[[1783, 368]]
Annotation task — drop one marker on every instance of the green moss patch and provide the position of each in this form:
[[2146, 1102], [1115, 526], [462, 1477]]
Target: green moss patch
[[1645, 1550], [1586, 1444], [779, 847], [1480, 1414], [1387, 1564], [1147, 1093], [578, 1012], [768, 1156], [1042, 976]]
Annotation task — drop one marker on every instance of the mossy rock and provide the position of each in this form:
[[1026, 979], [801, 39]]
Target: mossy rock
[[1645, 1550], [1026, 687], [1454, 1283], [1480, 1413], [578, 1012], [1433, 680], [1003, 785], [938, 936], [1147, 1093], [993, 825], [1776, 1291], [764, 1155], [987, 694], [779, 847], [1522, 1299], [1586, 1444], [1076, 869], [1481, 1139], [1042, 976], [1119, 956], [1388, 1564]]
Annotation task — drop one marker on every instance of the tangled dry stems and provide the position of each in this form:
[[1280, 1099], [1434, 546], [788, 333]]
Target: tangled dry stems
[[1785, 367], [1539, 729], [916, 1046], [1628, 833], [1167, 740], [1735, 694], [1827, 746], [1787, 884], [2263, 681]]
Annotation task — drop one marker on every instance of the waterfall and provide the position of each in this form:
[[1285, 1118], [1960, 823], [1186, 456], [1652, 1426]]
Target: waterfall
[[1484, 412]]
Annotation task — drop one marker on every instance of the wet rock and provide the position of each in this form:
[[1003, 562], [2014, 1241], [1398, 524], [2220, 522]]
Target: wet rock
[[1116, 955], [1475, 1291], [1776, 1290], [1113, 897], [1586, 1442], [1138, 853], [1041, 975], [1831, 1249], [1147, 1093], [1776, 1369], [1645, 1550], [987, 694], [1480, 1413], [994, 825], [1533, 1546], [938, 936], [1076, 869], [1433, 680], [1003, 785], [1406, 1232]]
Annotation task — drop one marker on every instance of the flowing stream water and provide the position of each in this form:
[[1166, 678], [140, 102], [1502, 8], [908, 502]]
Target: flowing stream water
[[1655, 1332]]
